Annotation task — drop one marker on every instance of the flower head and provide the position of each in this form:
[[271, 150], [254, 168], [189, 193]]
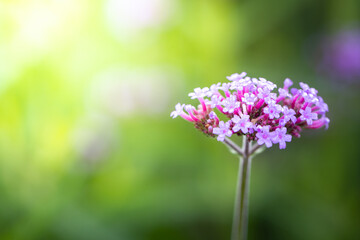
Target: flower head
[[255, 110]]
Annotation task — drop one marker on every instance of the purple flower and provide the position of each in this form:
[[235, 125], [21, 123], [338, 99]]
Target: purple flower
[[178, 110], [199, 93], [212, 115], [280, 136], [213, 89], [266, 94], [215, 101], [236, 76], [246, 82], [190, 109], [287, 83], [263, 92], [273, 110], [289, 114], [225, 87], [308, 116], [284, 92], [310, 94], [249, 98], [264, 136], [323, 107], [262, 82], [230, 104], [304, 86], [256, 110], [324, 121], [242, 123], [327, 121], [237, 85], [223, 130], [294, 91], [309, 97]]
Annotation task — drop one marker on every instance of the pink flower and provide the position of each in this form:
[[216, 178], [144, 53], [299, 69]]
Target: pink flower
[[255, 110]]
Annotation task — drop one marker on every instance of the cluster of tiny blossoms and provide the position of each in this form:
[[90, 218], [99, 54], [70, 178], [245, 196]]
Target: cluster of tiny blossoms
[[254, 110]]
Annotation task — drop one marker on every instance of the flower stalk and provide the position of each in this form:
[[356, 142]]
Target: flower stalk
[[241, 205]]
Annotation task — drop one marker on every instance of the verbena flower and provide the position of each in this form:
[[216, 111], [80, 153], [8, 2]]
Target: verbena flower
[[289, 114], [241, 123], [236, 76], [281, 137], [223, 130], [230, 104], [178, 110], [307, 115], [273, 110], [265, 136], [254, 109]]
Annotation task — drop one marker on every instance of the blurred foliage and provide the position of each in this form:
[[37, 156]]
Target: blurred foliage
[[87, 148]]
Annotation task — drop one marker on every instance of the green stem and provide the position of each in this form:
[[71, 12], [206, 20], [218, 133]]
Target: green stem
[[240, 221]]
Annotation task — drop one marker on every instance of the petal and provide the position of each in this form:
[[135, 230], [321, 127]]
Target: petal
[[221, 138], [268, 143]]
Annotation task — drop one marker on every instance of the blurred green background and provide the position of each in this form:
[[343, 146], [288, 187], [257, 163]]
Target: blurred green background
[[87, 147]]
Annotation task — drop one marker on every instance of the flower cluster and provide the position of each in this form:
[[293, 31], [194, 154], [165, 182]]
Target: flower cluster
[[254, 110]]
